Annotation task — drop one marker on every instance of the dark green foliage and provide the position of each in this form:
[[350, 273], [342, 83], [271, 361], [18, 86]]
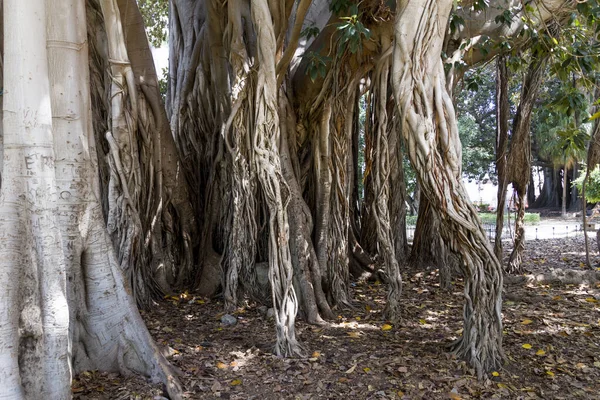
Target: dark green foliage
[[477, 124], [339, 6], [352, 32], [310, 32], [156, 16], [317, 65], [592, 191]]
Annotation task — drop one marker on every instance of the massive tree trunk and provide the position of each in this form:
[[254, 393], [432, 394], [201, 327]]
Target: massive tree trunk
[[67, 306], [551, 190], [430, 130]]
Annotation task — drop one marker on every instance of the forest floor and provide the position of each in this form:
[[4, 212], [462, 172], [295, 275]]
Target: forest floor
[[551, 341]]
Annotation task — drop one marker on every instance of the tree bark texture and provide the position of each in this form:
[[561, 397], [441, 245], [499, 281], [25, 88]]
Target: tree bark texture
[[70, 308], [519, 157], [431, 134], [502, 117]]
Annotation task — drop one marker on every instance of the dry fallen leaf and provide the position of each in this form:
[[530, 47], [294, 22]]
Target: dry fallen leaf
[[351, 369], [221, 365]]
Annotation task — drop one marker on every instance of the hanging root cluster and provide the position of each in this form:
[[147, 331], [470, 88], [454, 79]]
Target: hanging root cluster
[[382, 171], [519, 159], [434, 149]]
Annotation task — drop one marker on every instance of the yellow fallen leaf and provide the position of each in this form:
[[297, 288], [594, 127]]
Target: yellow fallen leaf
[[400, 393], [357, 318], [221, 365], [526, 346], [540, 352], [368, 307], [591, 300], [526, 322], [550, 373], [386, 327], [236, 382], [502, 386], [422, 321], [556, 298], [199, 301], [367, 369], [316, 354], [495, 373], [353, 334]]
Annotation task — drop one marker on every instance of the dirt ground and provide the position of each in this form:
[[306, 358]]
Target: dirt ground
[[551, 341]]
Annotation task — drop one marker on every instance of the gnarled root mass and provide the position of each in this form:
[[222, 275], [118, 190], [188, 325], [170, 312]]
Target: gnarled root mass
[[69, 306], [431, 134], [519, 158]]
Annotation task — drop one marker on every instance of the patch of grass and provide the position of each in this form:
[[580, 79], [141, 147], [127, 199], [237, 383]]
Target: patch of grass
[[532, 218], [488, 218]]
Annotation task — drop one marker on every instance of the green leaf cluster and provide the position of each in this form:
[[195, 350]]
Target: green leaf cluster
[[156, 16], [317, 65], [592, 189], [352, 32]]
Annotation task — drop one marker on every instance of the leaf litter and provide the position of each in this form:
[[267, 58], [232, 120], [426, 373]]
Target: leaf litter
[[551, 340]]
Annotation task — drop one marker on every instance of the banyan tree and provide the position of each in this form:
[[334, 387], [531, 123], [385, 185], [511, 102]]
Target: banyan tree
[[245, 182]]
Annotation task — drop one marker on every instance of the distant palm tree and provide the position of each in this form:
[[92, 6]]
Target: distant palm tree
[[565, 149]]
